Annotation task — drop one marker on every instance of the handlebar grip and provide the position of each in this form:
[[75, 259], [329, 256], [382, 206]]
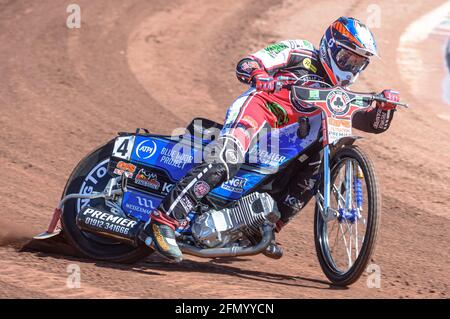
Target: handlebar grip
[[379, 98], [286, 78]]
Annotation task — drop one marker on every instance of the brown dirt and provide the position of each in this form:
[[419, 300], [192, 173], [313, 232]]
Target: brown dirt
[[11, 234], [155, 64]]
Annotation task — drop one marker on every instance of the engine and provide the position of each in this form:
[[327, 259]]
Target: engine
[[218, 228]]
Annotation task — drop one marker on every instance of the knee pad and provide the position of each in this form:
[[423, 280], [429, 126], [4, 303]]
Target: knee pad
[[227, 152]]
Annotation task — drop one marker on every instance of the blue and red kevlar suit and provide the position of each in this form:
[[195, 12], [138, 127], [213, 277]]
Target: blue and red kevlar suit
[[254, 110]]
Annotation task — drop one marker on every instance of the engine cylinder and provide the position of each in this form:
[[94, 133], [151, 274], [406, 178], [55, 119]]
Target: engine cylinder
[[217, 228]]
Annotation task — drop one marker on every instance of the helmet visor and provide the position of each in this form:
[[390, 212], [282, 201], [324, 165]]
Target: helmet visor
[[349, 61]]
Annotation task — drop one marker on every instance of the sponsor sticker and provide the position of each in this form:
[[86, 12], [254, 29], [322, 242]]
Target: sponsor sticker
[[187, 203], [358, 100], [236, 184], [146, 149], [314, 95], [293, 202], [307, 63], [102, 219], [123, 168], [201, 188], [147, 179], [186, 223], [249, 66], [95, 181], [276, 48], [139, 205], [338, 102], [167, 187], [175, 158], [272, 159], [338, 129], [336, 123]]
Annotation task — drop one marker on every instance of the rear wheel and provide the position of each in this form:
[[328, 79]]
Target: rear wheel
[[89, 176], [345, 243]]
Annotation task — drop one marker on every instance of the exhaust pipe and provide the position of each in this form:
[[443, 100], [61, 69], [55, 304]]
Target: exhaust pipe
[[231, 251]]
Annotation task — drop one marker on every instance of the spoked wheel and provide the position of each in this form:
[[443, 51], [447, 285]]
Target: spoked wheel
[[346, 240]]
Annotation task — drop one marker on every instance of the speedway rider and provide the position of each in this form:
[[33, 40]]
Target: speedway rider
[[345, 51]]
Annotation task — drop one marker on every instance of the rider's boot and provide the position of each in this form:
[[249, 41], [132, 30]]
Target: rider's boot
[[159, 234]]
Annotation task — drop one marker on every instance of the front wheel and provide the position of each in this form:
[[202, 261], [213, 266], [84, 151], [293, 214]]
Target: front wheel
[[345, 242]]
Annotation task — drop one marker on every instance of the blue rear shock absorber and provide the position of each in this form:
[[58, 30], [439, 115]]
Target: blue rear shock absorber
[[357, 185]]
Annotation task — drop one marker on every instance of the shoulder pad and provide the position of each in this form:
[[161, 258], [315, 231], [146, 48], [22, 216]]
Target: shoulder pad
[[302, 45]]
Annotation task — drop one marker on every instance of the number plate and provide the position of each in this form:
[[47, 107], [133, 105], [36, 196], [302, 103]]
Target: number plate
[[338, 128], [123, 147]]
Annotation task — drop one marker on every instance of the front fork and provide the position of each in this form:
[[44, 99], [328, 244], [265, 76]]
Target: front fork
[[323, 200]]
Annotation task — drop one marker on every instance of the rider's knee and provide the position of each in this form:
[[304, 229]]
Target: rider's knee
[[226, 152]]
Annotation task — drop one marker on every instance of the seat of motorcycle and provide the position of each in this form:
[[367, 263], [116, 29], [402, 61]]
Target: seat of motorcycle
[[203, 127]]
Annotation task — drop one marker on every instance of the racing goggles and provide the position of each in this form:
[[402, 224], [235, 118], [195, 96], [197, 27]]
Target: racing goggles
[[349, 61]]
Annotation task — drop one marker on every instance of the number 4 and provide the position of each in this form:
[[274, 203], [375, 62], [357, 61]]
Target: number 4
[[123, 147]]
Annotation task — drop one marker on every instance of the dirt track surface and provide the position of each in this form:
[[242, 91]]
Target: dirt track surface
[[157, 64]]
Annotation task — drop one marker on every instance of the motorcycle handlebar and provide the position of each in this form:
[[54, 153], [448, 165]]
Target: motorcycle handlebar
[[381, 98], [373, 97]]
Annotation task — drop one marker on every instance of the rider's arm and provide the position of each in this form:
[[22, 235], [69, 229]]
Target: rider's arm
[[274, 57], [374, 121]]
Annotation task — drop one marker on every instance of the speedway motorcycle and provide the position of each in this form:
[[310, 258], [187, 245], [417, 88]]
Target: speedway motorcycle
[[113, 191]]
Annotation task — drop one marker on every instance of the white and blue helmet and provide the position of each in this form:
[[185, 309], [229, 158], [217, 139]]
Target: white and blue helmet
[[345, 50]]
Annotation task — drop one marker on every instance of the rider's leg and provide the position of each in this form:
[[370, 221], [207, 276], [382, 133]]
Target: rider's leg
[[186, 195], [300, 191], [244, 119]]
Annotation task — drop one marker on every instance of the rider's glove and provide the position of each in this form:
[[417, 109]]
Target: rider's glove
[[263, 82], [390, 95]]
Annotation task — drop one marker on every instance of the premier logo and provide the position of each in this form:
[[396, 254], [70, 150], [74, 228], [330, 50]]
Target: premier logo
[[99, 219]]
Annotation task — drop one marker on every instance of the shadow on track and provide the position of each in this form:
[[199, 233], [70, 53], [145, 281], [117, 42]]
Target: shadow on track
[[59, 249], [219, 266]]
